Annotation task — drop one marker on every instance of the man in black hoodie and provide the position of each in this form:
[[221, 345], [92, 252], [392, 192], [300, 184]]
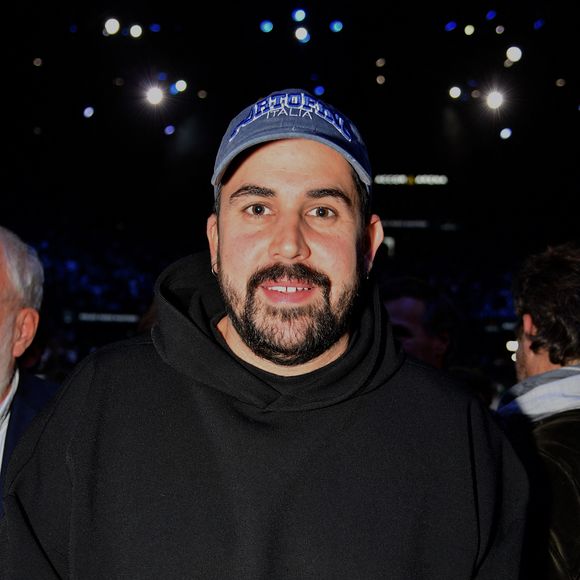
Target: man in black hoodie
[[268, 428]]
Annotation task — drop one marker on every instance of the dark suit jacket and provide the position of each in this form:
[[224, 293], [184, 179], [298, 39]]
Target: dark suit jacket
[[31, 396]]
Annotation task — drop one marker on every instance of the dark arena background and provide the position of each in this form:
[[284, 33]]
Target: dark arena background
[[113, 113]]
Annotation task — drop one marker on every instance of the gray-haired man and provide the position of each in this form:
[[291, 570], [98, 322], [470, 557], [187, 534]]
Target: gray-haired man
[[22, 395]]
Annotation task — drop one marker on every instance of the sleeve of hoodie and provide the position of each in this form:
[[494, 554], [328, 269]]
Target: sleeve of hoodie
[[502, 492], [38, 491]]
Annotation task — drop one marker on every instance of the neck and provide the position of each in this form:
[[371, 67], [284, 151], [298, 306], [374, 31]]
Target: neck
[[539, 363], [241, 350]]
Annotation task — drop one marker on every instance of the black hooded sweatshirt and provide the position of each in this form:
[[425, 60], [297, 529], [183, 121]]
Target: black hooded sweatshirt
[[167, 457]]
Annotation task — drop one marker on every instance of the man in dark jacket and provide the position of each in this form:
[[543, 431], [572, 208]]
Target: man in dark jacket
[[269, 428], [542, 412], [22, 395]]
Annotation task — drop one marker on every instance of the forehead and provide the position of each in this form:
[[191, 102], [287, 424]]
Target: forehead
[[292, 162]]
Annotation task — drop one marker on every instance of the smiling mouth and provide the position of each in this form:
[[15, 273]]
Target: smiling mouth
[[287, 289]]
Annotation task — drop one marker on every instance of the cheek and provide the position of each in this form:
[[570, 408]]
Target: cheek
[[5, 351], [238, 255], [339, 259]]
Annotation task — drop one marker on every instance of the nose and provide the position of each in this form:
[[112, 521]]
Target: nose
[[289, 240]]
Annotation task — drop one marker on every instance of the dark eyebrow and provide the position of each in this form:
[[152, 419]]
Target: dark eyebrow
[[330, 192], [249, 189]]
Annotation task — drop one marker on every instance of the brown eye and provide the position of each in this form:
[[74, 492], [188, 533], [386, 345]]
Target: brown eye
[[322, 212], [256, 209]]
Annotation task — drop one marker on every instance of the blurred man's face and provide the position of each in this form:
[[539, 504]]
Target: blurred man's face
[[406, 315]]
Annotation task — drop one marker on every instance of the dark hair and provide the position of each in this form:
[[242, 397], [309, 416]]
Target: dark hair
[[547, 287], [441, 315]]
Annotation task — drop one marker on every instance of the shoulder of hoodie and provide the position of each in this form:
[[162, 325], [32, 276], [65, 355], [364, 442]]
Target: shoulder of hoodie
[[118, 367], [426, 381], [121, 356], [436, 395], [121, 368], [441, 403]]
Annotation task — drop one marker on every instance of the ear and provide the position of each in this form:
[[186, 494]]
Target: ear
[[213, 236], [374, 238], [25, 327], [528, 325]]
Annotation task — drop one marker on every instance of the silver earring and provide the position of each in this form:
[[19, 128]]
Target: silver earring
[[213, 270]]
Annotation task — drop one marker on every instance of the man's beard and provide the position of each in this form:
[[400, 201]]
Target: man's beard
[[290, 335]]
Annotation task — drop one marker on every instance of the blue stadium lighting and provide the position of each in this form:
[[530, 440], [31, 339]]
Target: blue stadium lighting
[[539, 23], [71, 265], [173, 89], [298, 15], [169, 130], [155, 27], [491, 15], [162, 76], [266, 26], [336, 26], [319, 90], [88, 112], [73, 28], [451, 25]]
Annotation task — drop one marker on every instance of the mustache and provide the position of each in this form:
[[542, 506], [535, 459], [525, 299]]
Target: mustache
[[290, 271]]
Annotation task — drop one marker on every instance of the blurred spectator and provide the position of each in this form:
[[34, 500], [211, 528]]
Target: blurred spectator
[[424, 320], [542, 411], [22, 394], [427, 324]]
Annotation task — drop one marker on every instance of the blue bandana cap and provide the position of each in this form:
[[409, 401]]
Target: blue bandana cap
[[292, 114]]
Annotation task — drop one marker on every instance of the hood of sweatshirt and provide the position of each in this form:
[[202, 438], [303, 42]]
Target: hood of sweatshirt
[[189, 306], [544, 394]]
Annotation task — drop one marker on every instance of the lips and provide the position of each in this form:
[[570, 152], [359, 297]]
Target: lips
[[286, 287], [288, 291], [296, 284]]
